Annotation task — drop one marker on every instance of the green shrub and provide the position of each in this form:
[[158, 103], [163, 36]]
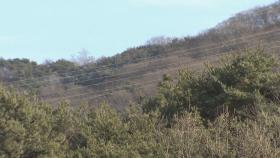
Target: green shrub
[[241, 83]]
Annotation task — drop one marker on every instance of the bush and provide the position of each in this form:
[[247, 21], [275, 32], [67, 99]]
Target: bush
[[241, 83]]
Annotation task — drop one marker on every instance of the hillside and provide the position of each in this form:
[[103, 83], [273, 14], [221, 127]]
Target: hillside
[[231, 110], [125, 77]]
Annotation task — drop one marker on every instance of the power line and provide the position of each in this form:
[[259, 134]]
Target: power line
[[122, 87], [133, 77], [171, 55], [256, 13], [98, 84], [82, 94]]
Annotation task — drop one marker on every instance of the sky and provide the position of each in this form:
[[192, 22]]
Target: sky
[[54, 29]]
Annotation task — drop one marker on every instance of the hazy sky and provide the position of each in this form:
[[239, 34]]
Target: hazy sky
[[53, 29]]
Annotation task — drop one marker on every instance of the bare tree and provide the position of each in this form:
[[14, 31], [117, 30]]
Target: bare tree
[[83, 58], [160, 40]]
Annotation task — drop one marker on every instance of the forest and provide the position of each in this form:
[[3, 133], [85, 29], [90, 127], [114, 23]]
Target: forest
[[227, 110]]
